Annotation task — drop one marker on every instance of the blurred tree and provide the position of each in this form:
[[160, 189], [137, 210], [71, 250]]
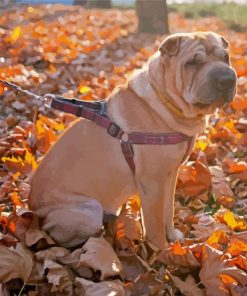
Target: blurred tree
[[6, 3], [94, 3], [80, 2], [153, 16]]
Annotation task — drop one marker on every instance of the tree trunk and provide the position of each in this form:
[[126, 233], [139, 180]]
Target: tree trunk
[[152, 16], [80, 2], [100, 3]]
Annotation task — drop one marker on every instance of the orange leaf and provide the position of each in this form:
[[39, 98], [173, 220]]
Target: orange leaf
[[237, 246], [239, 103], [177, 249], [1, 89], [237, 167], [242, 72], [16, 200], [227, 279]]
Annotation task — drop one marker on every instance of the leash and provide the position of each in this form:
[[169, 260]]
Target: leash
[[96, 112]]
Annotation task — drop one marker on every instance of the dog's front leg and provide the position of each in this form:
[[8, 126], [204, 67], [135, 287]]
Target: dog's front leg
[[172, 233], [157, 201]]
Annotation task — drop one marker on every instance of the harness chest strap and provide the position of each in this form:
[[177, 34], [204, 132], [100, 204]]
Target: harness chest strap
[[93, 111]]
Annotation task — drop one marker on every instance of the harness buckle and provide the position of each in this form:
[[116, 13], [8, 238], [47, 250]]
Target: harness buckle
[[79, 110], [113, 129]]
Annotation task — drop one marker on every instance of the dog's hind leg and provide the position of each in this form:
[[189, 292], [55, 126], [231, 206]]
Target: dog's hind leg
[[71, 224]]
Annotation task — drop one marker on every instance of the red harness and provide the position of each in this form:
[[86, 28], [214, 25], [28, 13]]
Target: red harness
[[96, 111]]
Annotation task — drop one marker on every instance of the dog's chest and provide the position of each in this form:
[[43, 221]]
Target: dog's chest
[[156, 159]]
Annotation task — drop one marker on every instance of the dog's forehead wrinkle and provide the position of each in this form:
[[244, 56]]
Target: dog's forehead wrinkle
[[210, 42], [189, 46]]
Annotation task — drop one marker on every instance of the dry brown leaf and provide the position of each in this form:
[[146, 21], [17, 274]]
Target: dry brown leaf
[[128, 225], [188, 287], [88, 288], [37, 274], [206, 226], [60, 277], [179, 256], [34, 234], [53, 253], [213, 266], [8, 240], [194, 178], [15, 263], [132, 267], [98, 254], [22, 219], [147, 284], [72, 259], [220, 186]]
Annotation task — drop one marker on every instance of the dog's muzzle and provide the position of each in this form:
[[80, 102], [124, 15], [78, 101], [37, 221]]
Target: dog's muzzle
[[225, 83], [219, 88]]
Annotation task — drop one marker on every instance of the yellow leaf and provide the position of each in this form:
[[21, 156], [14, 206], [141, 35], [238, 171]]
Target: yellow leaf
[[30, 9], [15, 34], [230, 220], [39, 126], [16, 176], [217, 237], [12, 159], [201, 144], [84, 89], [31, 160]]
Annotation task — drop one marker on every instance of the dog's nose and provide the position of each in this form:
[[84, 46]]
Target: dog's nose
[[225, 82]]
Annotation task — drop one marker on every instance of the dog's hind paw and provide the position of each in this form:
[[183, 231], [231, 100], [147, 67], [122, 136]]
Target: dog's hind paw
[[174, 234]]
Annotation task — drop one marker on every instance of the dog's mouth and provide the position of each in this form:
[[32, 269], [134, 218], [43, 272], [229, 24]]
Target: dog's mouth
[[201, 105], [222, 102]]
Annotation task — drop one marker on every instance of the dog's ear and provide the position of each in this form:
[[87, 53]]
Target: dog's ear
[[225, 42], [170, 45]]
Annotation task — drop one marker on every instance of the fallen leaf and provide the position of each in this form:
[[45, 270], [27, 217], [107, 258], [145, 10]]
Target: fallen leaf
[[194, 178], [177, 255], [60, 277], [15, 263], [213, 265], [97, 254], [187, 287], [53, 253], [88, 288]]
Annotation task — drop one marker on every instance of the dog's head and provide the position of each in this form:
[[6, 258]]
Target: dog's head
[[197, 68]]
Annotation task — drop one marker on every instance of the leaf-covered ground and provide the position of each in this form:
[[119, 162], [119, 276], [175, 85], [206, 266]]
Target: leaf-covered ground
[[85, 54]]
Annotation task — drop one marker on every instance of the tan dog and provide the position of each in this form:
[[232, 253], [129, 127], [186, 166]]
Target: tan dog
[[85, 173]]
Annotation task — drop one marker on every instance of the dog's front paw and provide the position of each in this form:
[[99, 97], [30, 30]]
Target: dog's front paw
[[174, 234]]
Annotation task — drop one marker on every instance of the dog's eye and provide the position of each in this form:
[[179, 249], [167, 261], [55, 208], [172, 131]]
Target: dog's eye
[[192, 62]]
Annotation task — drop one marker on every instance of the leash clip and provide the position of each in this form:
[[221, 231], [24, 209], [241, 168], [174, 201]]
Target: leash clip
[[47, 99]]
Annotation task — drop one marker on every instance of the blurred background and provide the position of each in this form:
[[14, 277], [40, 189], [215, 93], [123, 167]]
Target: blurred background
[[232, 12], [85, 48]]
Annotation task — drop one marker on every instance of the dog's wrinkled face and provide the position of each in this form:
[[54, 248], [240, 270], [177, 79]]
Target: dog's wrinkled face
[[199, 68]]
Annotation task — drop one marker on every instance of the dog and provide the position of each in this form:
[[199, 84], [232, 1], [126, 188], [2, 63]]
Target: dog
[[84, 175]]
